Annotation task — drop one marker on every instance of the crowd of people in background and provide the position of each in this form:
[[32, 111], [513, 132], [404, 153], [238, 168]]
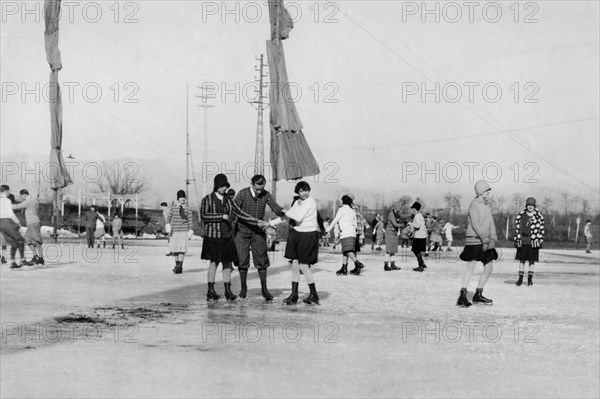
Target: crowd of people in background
[[234, 228]]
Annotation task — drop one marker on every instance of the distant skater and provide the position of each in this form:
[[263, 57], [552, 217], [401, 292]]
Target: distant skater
[[419, 244], [448, 227], [587, 232], [391, 240], [346, 218], [179, 224], [529, 236]]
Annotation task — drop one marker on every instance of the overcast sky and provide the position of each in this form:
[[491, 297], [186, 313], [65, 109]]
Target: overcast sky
[[358, 68]]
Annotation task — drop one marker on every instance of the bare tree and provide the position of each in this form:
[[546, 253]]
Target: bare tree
[[566, 199], [452, 203], [124, 181], [518, 202], [404, 203], [546, 204]]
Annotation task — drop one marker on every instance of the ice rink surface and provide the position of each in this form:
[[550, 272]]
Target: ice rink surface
[[105, 323]]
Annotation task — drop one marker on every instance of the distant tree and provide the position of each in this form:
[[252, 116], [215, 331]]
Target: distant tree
[[546, 204], [404, 203], [125, 181], [518, 201], [566, 199], [452, 203]]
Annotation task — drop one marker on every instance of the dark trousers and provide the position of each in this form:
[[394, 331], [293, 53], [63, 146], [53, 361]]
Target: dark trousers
[[11, 232], [255, 242], [89, 235]]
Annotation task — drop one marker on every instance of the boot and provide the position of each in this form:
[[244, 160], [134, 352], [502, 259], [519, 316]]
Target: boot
[[3, 260], [343, 271], [211, 294], [228, 294], [529, 279], [178, 267], [463, 301], [122, 246], [394, 267], [313, 297], [479, 298], [113, 246], [243, 278], [520, 280], [40, 261], [104, 244], [357, 268], [421, 262], [15, 265], [262, 273], [31, 262], [386, 267], [293, 298]]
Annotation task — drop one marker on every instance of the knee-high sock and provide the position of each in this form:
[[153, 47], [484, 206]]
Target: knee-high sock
[[212, 272], [531, 264], [388, 257], [522, 266], [226, 273], [13, 252], [467, 274], [307, 273], [487, 272], [295, 271]]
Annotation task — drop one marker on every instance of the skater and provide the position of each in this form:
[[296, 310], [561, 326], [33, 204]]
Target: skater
[[302, 247], [379, 232], [9, 227], [529, 236], [89, 219], [429, 225], [33, 235], [436, 235], [117, 231], [100, 232], [405, 235], [391, 240], [218, 245], [587, 232], [249, 208], [360, 227], [480, 244], [325, 237], [419, 243], [374, 232], [448, 227], [346, 218], [179, 225]]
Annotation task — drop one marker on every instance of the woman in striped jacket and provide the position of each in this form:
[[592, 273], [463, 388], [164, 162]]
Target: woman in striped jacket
[[179, 223], [218, 245]]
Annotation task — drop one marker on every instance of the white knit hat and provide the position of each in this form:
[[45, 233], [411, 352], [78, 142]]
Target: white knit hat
[[481, 186]]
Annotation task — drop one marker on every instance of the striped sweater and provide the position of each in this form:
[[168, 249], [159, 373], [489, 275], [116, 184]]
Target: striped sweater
[[178, 224]]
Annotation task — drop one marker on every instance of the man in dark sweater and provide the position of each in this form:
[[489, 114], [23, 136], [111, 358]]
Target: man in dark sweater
[[89, 219], [252, 201]]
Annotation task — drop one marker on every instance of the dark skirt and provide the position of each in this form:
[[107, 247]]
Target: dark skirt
[[527, 253], [474, 253], [302, 246], [348, 244], [219, 250], [357, 244], [419, 245]]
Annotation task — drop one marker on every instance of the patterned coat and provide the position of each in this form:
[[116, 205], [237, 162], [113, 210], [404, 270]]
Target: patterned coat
[[536, 226]]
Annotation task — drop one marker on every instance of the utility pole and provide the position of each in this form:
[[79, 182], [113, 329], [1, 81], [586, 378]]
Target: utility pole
[[259, 156], [205, 97], [187, 138]]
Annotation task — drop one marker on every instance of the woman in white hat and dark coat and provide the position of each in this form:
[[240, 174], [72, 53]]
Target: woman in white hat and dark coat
[[218, 246], [179, 223], [529, 236], [480, 244]]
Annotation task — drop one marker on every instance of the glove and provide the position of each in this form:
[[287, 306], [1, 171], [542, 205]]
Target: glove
[[190, 234], [168, 228]]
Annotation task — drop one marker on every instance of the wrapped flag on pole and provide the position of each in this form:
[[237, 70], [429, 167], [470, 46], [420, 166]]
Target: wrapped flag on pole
[[59, 175], [291, 157]]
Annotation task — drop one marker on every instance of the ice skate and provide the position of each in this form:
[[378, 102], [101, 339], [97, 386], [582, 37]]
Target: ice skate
[[463, 301], [343, 271], [228, 294], [293, 298], [479, 298]]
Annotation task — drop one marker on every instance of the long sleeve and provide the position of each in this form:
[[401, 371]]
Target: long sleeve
[[335, 220], [240, 214], [277, 209], [205, 211]]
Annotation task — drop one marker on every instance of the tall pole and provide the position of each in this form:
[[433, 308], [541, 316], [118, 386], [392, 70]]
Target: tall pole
[[259, 155], [187, 139], [205, 97]]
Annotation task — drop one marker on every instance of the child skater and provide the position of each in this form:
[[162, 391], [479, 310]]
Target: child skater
[[303, 243], [391, 240], [346, 218], [529, 236], [419, 244]]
